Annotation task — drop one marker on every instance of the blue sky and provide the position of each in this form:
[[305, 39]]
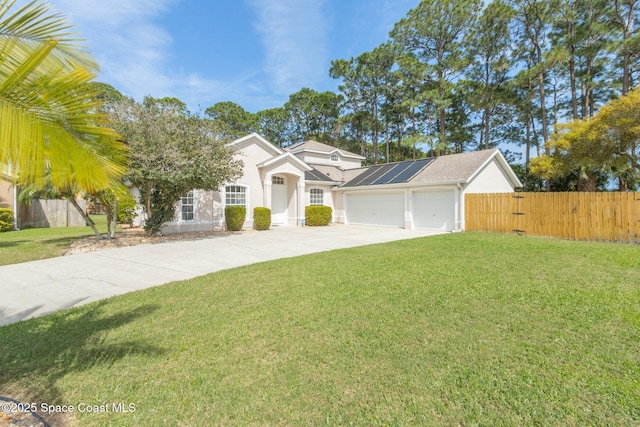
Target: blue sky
[[252, 52]]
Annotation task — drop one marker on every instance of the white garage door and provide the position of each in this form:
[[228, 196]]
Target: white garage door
[[376, 209], [434, 210]]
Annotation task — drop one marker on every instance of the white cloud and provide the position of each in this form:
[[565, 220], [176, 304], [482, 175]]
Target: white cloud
[[135, 55], [294, 34], [130, 48]]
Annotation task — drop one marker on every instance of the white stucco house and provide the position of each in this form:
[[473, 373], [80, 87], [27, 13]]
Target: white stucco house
[[426, 193]]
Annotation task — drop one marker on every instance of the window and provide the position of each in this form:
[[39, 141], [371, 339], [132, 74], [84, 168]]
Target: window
[[278, 180], [334, 158], [187, 207], [235, 195], [316, 196]]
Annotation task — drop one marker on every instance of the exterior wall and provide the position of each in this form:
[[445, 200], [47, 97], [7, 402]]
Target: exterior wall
[[208, 215], [491, 179], [6, 194], [251, 153], [328, 197], [347, 163], [325, 159], [138, 218], [338, 206]]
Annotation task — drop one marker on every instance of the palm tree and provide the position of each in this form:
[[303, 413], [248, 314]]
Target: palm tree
[[50, 124]]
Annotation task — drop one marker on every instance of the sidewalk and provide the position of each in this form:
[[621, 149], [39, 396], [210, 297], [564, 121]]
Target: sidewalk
[[37, 288]]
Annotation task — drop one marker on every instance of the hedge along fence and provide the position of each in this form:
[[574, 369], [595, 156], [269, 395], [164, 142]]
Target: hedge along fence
[[261, 218], [234, 217], [317, 215], [612, 216]]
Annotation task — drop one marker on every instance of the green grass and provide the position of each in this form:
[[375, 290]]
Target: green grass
[[40, 243], [461, 329]]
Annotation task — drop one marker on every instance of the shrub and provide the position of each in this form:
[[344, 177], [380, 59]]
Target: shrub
[[126, 208], [318, 215], [234, 216], [6, 219], [261, 218]]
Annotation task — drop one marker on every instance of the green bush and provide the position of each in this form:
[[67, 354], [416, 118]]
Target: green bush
[[126, 209], [6, 219], [261, 218], [234, 216], [317, 215]]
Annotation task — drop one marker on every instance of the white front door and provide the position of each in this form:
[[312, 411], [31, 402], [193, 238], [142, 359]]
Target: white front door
[[278, 200]]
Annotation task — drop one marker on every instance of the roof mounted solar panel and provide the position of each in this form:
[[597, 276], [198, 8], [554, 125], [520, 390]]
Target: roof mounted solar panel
[[412, 170], [391, 173], [378, 171], [370, 172]]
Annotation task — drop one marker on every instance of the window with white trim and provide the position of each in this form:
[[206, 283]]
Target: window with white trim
[[334, 158], [278, 180], [187, 207], [235, 195], [316, 197]]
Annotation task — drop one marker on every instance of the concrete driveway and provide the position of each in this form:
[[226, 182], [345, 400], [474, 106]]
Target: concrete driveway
[[36, 288]]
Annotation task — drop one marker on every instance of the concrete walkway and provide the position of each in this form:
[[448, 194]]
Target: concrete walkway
[[36, 288]]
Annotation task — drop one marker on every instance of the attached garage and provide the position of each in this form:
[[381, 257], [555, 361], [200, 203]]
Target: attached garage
[[386, 209], [425, 193], [434, 210]]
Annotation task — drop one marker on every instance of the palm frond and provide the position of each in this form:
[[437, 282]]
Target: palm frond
[[35, 23], [49, 115]]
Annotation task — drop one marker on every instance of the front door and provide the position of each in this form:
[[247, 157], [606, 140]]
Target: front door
[[278, 200]]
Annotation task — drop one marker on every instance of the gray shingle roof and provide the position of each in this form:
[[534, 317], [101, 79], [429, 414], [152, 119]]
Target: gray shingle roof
[[315, 175], [454, 167], [319, 146]]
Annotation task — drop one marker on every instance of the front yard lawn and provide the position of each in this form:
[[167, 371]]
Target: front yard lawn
[[460, 329], [39, 243]]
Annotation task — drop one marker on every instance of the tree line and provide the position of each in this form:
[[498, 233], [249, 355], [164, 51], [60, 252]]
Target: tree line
[[553, 77], [459, 75]]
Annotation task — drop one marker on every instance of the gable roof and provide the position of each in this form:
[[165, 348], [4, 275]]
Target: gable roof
[[319, 147], [289, 157], [463, 167], [454, 168], [260, 140]]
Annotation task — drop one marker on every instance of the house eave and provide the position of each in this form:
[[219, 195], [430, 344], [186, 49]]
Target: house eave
[[269, 146], [312, 182], [285, 156], [337, 150], [402, 185]]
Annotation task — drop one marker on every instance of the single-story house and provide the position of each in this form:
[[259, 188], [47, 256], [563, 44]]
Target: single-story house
[[425, 193]]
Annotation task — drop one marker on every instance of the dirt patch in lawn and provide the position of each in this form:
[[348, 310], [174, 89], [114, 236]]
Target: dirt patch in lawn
[[137, 236]]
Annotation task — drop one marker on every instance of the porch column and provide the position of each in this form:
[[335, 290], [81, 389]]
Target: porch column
[[266, 192], [301, 198]]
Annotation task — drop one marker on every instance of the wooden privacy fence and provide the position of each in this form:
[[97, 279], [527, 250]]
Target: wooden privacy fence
[[610, 217]]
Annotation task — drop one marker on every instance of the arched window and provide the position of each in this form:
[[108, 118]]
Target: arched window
[[334, 158], [235, 195], [316, 197]]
